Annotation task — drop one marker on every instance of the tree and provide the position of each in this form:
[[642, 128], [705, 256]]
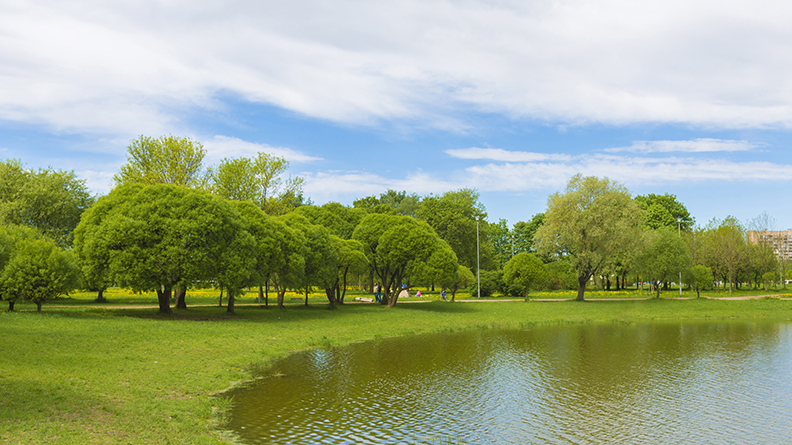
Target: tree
[[390, 202], [453, 216], [502, 240], [701, 278], [36, 270], [665, 256], [160, 237], [524, 233], [524, 270], [729, 247], [656, 217], [164, 160], [351, 259], [561, 275], [340, 220], [395, 246], [440, 268], [461, 278], [321, 256], [259, 180], [51, 201], [588, 224]]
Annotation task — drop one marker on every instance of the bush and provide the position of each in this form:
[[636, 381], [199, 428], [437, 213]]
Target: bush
[[561, 275]]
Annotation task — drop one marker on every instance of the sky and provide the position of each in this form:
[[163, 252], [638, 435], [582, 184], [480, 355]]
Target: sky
[[510, 98]]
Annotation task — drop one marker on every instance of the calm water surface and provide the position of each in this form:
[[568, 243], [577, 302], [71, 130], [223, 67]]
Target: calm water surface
[[644, 383]]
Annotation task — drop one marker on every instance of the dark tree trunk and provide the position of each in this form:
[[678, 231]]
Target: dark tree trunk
[[38, 306], [231, 298], [331, 296], [433, 286], [266, 293], [181, 297], [220, 304], [306, 295], [11, 305], [100, 297], [261, 293], [607, 283], [657, 288], [582, 281], [453, 291], [163, 297]]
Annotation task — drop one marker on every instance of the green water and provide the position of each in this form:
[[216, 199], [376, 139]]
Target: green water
[[640, 384]]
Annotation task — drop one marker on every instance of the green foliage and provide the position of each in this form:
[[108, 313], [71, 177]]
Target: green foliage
[[159, 236], [491, 283], [163, 160], [259, 180], [340, 220], [390, 202], [561, 275], [35, 269], [673, 209], [525, 271], [51, 201], [453, 216], [524, 233], [321, 256], [589, 224], [664, 257], [701, 278], [501, 239]]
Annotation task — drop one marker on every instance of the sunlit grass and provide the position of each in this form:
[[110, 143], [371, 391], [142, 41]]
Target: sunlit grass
[[87, 373]]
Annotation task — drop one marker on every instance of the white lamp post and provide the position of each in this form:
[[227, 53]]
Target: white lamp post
[[679, 231], [478, 266]]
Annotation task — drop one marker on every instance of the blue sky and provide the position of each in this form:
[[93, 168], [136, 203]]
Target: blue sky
[[509, 98]]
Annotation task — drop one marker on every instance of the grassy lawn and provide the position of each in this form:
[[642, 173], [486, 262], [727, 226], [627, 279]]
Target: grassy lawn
[[88, 373]]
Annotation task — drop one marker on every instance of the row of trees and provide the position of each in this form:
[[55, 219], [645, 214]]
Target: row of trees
[[171, 223]]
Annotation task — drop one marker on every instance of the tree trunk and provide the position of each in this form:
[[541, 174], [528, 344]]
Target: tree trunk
[[231, 298], [181, 297], [260, 293], [306, 295], [698, 294], [163, 297], [220, 304], [582, 281], [100, 297], [453, 292], [526, 293], [657, 288], [38, 305], [607, 283], [331, 296], [11, 305], [266, 293]]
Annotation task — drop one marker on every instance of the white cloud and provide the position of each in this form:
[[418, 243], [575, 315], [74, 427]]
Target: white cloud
[[701, 145], [498, 154], [134, 67], [220, 147]]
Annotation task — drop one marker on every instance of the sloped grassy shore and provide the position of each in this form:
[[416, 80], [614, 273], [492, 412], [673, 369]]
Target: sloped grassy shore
[[87, 373]]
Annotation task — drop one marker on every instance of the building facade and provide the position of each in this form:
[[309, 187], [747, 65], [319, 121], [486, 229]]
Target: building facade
[[781, 240]]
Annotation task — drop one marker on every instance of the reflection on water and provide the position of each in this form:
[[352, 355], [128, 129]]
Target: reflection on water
[[646, 383]]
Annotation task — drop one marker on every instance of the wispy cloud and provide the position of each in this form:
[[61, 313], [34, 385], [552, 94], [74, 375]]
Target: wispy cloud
[[498, 154], [701, 145], [220, 147]]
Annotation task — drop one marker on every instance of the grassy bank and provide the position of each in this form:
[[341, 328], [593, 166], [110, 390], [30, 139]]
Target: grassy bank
[[82, 373]]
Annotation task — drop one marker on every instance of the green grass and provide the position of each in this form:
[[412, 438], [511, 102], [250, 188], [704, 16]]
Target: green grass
[[88, 373]]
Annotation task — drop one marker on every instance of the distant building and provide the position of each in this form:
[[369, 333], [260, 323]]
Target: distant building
[[781, 240]]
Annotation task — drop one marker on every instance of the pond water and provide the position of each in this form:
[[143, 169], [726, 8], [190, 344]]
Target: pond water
[[643, 383]]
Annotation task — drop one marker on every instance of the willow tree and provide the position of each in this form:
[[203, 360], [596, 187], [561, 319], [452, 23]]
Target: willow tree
[[163, 160], [589, 224]]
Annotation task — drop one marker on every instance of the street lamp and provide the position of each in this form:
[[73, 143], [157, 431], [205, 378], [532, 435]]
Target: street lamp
[[679, 232], [478, 266]]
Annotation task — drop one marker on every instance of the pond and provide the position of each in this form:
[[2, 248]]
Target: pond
[[691, 382]]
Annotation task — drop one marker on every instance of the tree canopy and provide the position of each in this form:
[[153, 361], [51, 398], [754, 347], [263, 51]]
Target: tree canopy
[[588, 224], [163, 160]]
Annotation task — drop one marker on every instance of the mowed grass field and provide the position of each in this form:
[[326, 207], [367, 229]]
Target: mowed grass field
[[94, 373]]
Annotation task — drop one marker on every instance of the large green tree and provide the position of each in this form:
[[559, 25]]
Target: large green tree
[[163, 160], [588, 224], [391, 202], [160, 237], [524, 233], [321, 256], [51, 201]]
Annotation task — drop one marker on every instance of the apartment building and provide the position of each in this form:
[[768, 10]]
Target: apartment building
[[781, 240]]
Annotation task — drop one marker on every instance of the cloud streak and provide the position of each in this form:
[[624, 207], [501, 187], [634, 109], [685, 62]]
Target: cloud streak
[[700, 145]]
